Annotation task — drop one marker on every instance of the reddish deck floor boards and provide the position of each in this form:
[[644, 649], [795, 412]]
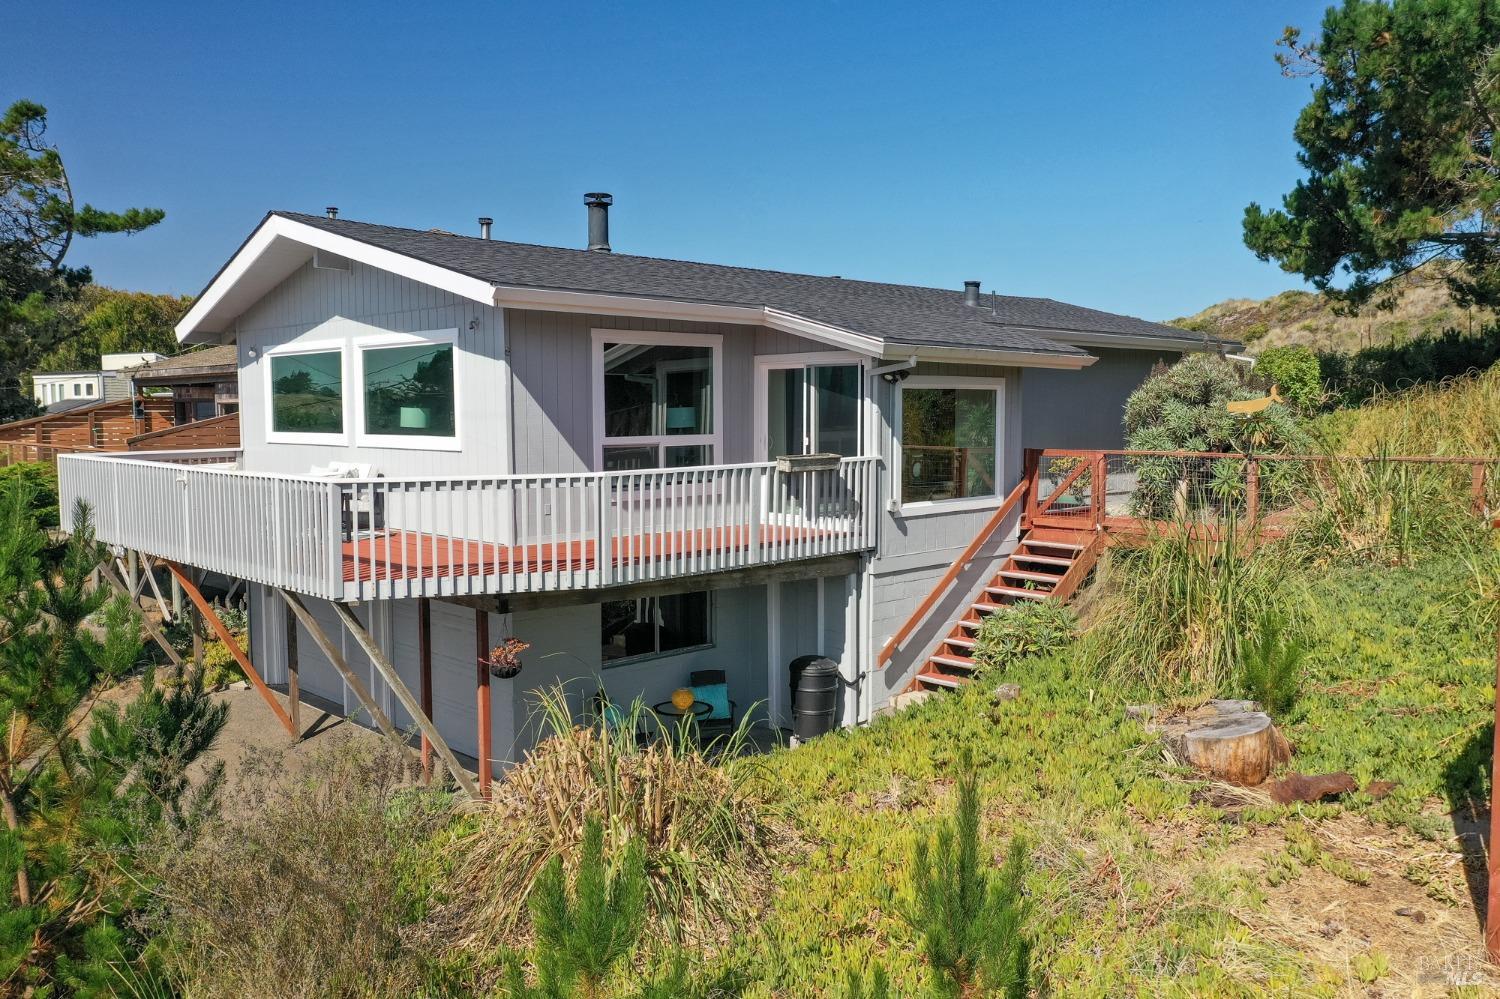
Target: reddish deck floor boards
[[404, 555]]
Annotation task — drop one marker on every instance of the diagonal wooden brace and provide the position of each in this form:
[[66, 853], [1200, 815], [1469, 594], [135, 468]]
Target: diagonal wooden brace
[[206, 609], [398, 687]]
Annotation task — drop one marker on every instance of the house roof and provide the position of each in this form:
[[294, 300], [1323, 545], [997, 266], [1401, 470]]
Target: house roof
[[887, 317], [220, 359]]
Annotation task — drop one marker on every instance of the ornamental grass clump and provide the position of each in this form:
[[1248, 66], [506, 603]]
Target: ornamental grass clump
[[1175, 615], [705, 840]]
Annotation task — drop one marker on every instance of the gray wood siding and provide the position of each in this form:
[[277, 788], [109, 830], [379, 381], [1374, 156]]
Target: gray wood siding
[[375, 298], [553, 390], [1085, 409]]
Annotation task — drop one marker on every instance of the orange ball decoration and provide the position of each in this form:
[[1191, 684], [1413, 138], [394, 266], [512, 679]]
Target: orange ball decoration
[[682, 698]]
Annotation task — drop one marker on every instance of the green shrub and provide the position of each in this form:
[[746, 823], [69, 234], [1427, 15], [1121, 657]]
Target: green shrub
[[1422, 360], [1271, 665], [1295, 371], [40, 478], [971, 918], [1023, 629], [1182, 408]]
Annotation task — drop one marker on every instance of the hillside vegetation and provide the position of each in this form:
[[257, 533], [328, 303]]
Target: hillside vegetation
[[1423, 306], [1456, 417]]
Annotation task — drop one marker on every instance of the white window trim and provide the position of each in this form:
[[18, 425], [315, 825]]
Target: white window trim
[[412, 442], [766, 363], [927, 507], [331, 346], [657, 338]]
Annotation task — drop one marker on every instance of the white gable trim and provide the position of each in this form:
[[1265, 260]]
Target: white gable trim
[[278, 247]]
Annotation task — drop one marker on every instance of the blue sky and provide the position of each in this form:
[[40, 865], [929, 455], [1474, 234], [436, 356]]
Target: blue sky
[[1100, 154]]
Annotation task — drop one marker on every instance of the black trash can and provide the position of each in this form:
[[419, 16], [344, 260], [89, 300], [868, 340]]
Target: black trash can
[[815, 696]]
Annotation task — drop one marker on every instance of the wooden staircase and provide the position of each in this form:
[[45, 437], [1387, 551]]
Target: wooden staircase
[[1047, 564]]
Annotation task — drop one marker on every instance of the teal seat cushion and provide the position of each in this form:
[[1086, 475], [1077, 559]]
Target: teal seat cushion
[[614, 718], [716, 696]]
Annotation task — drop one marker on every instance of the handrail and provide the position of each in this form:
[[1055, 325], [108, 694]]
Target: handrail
[[949, 577], [1434, 459]]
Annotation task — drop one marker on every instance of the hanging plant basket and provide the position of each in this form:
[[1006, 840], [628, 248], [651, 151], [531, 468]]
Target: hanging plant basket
[[505, 659]]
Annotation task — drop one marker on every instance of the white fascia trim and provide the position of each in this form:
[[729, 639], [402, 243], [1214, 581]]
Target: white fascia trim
[[1078, 338], [788, 322], [276, 226], [1007, 358], [550, 300]]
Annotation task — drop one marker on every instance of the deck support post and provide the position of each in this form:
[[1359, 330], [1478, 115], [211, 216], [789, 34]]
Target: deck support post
[[424, 663], [206, 613], [293, 673], [482, 684], [387, 670], [1252, 491]]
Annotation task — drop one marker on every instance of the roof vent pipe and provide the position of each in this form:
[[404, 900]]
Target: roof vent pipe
[[971, 294], [333, 211], [598, 203], [484, 227]]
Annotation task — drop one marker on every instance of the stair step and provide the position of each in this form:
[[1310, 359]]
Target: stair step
[[1039, 577], [939, 680], [954, 662], [1039, 543], [959, 642], [1017, 592], [1041, 559], [971, 625]]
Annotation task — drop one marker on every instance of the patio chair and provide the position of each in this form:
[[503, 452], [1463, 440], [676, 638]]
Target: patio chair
[[712, 688], [613, 718]]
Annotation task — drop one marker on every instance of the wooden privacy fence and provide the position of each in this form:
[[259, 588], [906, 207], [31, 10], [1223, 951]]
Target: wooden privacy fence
[[355, 539], [100, 426]]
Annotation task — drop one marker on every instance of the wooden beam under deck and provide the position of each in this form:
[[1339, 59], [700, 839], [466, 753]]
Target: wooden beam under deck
[[785, 572]]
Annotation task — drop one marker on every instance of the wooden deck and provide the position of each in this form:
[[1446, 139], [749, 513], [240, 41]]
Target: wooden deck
[[396, 554]]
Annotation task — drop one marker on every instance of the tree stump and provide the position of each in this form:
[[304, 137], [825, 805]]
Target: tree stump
[[1232, 740]]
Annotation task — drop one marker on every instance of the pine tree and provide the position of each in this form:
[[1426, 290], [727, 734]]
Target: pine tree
[[82, 785], [971, 919]]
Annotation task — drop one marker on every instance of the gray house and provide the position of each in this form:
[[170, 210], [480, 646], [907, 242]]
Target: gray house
[[640, 467]]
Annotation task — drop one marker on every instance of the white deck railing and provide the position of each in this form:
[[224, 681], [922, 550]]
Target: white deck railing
[[353, 539]]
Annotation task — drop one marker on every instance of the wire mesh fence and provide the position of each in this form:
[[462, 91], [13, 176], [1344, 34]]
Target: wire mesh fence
[[1085, 489]]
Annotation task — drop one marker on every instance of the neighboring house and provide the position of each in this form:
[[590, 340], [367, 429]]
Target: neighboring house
[[202, 384], [463, 440], [138, 402], [57, 391]]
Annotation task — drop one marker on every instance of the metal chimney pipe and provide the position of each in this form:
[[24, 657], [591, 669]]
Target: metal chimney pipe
[[971, 294], [484, 227], [598, 204], [333, 211]]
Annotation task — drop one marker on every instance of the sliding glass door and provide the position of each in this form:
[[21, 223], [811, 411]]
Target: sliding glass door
[[810, 407]]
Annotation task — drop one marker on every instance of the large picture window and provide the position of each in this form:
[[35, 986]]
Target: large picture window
[[408, 390], [654, 626], [307, 393], [658, 399], [949, 440]]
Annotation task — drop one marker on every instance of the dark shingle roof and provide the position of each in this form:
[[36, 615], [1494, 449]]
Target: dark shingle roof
[[893, 313]]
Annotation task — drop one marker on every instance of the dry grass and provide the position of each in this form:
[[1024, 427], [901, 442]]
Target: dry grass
[[309, 890], [1457, 417], [707, 842]]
